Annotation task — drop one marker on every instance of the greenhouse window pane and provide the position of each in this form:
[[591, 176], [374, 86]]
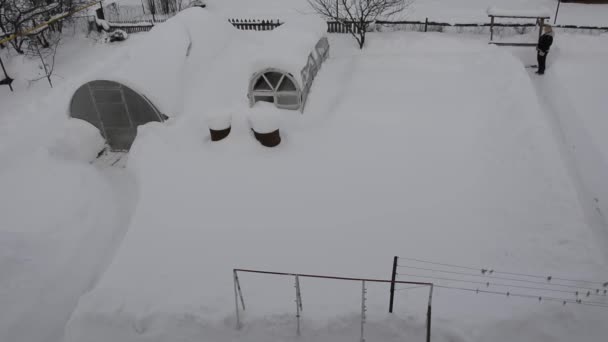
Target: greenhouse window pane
[[261, 84], [274, 78]]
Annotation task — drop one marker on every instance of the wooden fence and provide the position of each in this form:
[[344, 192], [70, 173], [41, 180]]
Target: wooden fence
[[255, 24], [135, 26], [349, 26], [427, 25]]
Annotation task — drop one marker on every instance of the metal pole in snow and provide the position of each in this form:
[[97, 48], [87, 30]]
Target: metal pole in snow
[[393, 276], [363, 310], [557, 12], [298, 305], [428, 316], [236, 301]]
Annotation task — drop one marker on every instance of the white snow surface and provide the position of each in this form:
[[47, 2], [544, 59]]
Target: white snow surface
[[432, 146], [461, 11], [506, 12], [60, 217], [79, 140], [417, 145]]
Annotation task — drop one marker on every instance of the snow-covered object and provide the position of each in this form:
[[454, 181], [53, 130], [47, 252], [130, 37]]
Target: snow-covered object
[[288, 46], [527, 13], [264, 117], [154, 65], [79, 140], [219, 120], [102, 23], [494, 175]]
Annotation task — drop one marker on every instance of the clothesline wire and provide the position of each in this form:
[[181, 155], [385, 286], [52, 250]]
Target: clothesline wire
[[488, 284], [540, 298], [546, 283], [602, 283]]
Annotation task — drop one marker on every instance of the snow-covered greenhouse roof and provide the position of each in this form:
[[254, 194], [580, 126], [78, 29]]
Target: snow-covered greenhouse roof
[[161, 63]]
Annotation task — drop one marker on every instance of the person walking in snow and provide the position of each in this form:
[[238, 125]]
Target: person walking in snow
[[542, 49]]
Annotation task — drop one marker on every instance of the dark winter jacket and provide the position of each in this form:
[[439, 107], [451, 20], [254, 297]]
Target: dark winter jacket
[[545, 41]]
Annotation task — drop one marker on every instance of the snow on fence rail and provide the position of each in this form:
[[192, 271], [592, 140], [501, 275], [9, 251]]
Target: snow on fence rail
[[239, 298], [134, 26]]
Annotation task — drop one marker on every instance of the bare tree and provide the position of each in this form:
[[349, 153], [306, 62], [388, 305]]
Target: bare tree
[[18, 17], [356, 15], [46, 55]]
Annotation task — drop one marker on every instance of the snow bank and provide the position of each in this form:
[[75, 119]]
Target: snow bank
[[60, 223], [379, 168], [79, 140], [526, 13]]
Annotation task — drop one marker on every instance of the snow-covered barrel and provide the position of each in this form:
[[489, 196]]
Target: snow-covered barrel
[[219, 125], [264, 120]]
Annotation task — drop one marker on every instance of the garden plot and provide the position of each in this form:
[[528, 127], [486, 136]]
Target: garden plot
[[423, 145]]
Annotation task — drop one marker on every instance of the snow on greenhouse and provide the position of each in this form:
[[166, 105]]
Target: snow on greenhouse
[[288, 64], [144, 85], [152, 83]]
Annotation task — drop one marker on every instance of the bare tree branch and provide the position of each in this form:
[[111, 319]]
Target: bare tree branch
[[357, 15]]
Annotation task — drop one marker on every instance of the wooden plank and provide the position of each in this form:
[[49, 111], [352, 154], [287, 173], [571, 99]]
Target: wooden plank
[[519, 17], [512, 44]]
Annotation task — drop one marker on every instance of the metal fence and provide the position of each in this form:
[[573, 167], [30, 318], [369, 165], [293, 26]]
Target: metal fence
[[240, 300]]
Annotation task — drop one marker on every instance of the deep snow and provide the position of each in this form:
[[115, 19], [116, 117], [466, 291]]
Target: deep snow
[[447, 113], [61, 218], [461, 11], [416, 145]]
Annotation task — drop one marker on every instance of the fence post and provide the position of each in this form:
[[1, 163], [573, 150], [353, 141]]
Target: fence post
[[428, 316], [100, 13], [426, 24], [393, 277], [298, 305], [491, 28], [363, 310], [236, 300], [557, 12]]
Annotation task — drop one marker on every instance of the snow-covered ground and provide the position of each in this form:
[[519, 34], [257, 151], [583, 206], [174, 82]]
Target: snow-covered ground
[[461, 11], [61, 218], [427, 145], [417, 145]]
